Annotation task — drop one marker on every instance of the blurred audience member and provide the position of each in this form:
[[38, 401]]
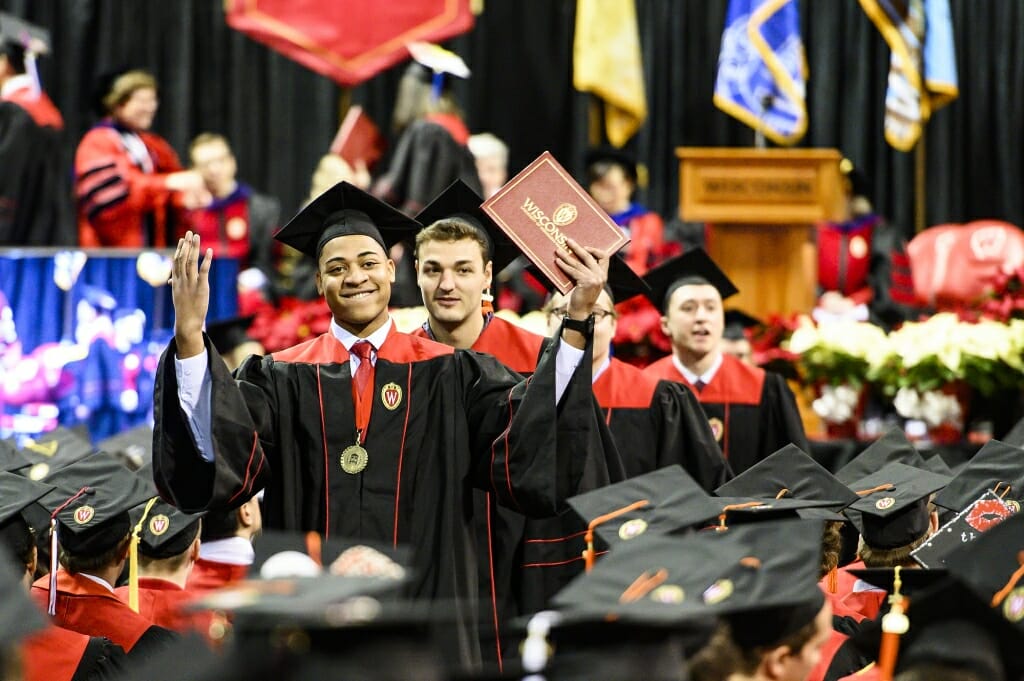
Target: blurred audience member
[[128, 181], [491, 155]]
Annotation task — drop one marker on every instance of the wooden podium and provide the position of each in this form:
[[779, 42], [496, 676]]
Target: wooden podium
[[761, 205]]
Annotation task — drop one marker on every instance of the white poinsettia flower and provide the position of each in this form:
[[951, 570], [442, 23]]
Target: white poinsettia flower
[[805, 337], [907, 403]]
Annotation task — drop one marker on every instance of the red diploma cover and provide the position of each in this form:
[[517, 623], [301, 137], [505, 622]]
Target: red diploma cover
[[541, 206], [359, 139]]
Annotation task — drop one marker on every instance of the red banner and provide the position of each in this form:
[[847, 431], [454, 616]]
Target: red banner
[[348, 41]]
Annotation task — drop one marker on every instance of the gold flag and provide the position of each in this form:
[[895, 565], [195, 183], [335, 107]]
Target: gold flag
[[607, 63]]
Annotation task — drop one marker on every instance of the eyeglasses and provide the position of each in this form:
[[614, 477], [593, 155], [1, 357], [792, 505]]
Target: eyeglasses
[[599, 314]]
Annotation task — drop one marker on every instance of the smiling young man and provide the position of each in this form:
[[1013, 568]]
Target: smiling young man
[[752, 412], [368, 433]]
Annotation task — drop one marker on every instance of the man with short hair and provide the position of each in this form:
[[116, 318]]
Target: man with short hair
[[752, 412], [369, 433], [226, 551], [240, 221]]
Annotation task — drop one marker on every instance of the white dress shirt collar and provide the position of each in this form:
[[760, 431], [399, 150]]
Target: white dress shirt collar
[[376, 338], [692, 377]]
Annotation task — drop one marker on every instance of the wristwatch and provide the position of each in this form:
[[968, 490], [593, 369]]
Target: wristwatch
[[584, 326]]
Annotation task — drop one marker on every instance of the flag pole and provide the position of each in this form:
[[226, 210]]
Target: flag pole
[[920, 183]]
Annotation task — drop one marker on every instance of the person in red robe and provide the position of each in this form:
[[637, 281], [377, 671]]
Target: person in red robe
[[129, 183], [34, 209], [226, 552], [752, 412], [90, 506]]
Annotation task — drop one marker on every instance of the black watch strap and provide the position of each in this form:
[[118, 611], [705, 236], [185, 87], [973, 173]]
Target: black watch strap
[[584, 326]]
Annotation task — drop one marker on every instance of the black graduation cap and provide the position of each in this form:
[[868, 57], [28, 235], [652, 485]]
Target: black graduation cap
[[663, 501], [893, 446], [894, 504], [18, 36], [1016, 435], [936, 464], [17, 493], [92, 501], [996, 465], [166, 532], [53, 451], [134, 447], [964, 527], [228, 334], [279, 553], [737, 322], [619, 157], [989, 563], [10, 458], [793, 474], [346, 210], [623, 282], [19, 616], [912, 580], [952, 627], [460, 202], [752, 509], [691, 267]]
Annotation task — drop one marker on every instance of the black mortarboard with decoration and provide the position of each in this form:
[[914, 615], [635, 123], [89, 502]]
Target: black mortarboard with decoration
[[662, 501], [346, 210], [962, 529], [893, 506], [460, 202], [53, 451], [893, 446], [693, 267], [19, 616], [790, 473], [992, 564], [228, 334], [623, 283], [89, 509], [134, 447], [997, 466]]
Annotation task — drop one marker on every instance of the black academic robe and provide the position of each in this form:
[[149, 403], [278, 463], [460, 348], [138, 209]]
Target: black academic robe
[[654, 424], [35, 208], [752, 412], [461, 420]]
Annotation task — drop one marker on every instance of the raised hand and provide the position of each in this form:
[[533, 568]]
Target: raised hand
[[589, 270], [190, 293]]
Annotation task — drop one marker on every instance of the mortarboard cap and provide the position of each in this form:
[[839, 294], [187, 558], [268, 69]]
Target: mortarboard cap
[[460, 202], [623, 282], [790, 473], [19, 616], [438, 59], [893, 446], [936, 464], [17, 494], [228, 334], [691, 267], [997, 466], [608, 154], [166, 532], [989, 564], [736, 324], [18, 36], [752, 509], [92, 501], [10, 458], [662, 501], [133, 447], [1016, 435], [912, 580], [964, 527], [53, 451], [346, 210], [893, 504], [950, 627]]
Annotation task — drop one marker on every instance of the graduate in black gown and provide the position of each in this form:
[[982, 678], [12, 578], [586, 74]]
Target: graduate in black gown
[[391, 456], [752, 412]]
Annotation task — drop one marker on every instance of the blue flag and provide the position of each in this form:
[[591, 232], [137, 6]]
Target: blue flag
[[922, 71], [762, 70]]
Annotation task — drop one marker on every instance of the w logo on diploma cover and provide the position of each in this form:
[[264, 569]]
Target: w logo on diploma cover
[[564, 214], [762, 69], [391, 395]]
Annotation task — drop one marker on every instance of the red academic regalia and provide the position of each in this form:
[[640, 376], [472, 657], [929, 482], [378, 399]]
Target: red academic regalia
[[442, 422], [846, 602], [844, 257], [91, 609], [162, 603], [646, 232], [654, 424], [238, 226], [752, 412], [118, 201], [208, 575], [38, 105], [512, 345], [56, 654]]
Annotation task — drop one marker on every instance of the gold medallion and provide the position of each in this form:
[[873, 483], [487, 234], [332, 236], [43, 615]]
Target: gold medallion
[[354, 459]]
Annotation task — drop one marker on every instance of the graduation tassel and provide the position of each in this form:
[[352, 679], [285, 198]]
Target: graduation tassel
[[51, 607], [133, 558], [589, 555], [894, 625], [1001, 595]]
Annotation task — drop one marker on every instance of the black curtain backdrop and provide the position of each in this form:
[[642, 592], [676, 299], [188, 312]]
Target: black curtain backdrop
[[281, 117]]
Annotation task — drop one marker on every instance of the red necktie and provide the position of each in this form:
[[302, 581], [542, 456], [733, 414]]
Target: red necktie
[[364, 373]]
